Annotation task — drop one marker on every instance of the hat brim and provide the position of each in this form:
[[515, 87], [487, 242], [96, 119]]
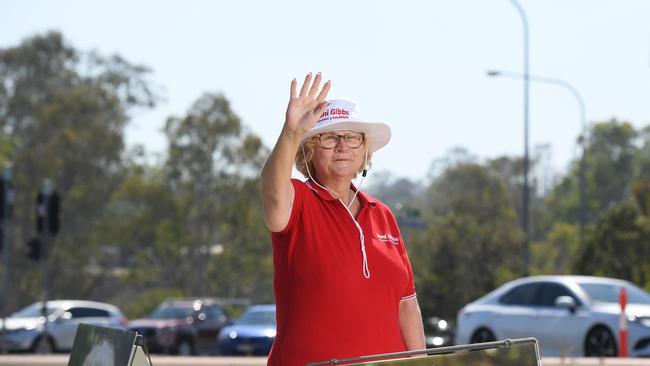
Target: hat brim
[[377, 133]]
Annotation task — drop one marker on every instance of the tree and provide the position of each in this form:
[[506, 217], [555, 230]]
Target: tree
[[641, 183], [64, 112], [6, 148], [610, 167], [395, 191], [141, 221], [472, 244], [402, 195], [211, 231], [616, 246], [614, 175], [554, 255], [510, 171]]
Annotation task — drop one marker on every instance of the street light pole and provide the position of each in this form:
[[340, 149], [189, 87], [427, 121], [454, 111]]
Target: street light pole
[[524, 214], [583, 122]]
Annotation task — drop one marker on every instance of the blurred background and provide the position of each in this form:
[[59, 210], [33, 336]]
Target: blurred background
[[150, 121]]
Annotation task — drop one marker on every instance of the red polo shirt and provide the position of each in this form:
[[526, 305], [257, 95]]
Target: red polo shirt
[[328, 306]]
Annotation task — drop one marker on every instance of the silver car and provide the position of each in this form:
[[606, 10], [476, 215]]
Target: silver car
[[24, 328], [569, 315]]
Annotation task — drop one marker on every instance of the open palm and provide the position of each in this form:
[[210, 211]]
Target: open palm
[[305, 109]]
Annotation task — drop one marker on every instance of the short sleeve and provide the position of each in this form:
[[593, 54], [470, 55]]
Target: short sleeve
[[299, 189], [409, 290]]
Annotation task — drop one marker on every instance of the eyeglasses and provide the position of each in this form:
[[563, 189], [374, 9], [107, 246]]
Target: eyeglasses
[[331, 140]]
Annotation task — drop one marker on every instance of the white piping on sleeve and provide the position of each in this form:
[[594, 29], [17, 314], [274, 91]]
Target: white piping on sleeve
[[409, 297]]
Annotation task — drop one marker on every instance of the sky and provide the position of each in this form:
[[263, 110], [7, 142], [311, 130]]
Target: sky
[[419, 66]]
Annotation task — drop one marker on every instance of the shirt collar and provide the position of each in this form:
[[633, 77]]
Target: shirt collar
[[327, 196]]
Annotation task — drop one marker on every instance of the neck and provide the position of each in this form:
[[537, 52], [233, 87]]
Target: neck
[[338, 187]]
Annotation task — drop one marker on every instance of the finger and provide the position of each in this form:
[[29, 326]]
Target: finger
[[321, 108], [292, 93], [305, 85], [315, 85], [323, 92]]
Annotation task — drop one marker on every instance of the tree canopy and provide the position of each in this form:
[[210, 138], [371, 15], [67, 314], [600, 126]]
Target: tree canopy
[[191, 224]]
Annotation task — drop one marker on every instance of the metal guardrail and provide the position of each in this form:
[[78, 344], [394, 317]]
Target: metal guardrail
[[507, 343], [62, 360]]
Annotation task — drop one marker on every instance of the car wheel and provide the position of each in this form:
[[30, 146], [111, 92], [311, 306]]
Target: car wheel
[[600, 342], [185, 348], [43, 345], [482, 335]]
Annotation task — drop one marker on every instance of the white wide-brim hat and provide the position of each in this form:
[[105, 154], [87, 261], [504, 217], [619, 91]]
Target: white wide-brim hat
[[342, 114]]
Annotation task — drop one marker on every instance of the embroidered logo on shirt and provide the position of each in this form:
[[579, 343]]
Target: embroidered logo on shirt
[[387, 238]]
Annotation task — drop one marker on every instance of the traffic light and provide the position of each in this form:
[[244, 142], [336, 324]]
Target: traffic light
[[41, 211], [34, 249], [3, 197], [6, 196], [48, 206]]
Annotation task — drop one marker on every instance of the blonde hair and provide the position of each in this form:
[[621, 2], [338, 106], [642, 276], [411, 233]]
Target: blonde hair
[[305, 154]]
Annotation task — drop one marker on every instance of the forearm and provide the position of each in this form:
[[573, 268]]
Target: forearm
[[277, 168], [303, 112], [410, 320], [277, 190]]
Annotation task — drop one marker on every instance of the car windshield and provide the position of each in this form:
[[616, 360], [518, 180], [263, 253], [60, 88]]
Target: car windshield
[[169, 312], [33, 311], [258, 317], [609, 293]]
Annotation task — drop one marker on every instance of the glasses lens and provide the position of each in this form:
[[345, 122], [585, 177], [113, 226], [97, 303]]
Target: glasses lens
[[354, 139], [329, 140]]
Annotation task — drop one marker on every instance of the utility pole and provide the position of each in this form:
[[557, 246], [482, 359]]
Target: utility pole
[[47, 225], [6, 208], [525, 224]]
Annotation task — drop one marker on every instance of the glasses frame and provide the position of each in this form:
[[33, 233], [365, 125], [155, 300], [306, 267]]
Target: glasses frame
[[340, 137]]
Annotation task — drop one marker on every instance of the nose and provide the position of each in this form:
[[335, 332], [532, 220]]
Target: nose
[[342, 145]]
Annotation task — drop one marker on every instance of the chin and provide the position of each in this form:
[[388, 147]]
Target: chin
[[345, 174]]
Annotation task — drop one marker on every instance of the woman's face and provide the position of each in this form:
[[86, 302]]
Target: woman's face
[[338, 154]]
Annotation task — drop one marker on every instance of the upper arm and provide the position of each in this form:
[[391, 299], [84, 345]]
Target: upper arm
[[277, 206]]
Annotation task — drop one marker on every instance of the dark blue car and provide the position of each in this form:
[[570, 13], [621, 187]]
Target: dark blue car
[[253, 333]]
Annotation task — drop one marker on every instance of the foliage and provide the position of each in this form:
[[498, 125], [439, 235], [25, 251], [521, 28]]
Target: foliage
[[148, 300], [617, 246], [472, 244], [66, 125], [195, 223], [191, 224], [553, 256], [610, 166], [212, 168]]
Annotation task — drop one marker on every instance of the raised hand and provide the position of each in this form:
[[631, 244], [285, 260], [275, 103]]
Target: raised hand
[[305, 109], [303, 112]]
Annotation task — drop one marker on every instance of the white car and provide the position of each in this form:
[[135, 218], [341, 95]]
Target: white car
[[24, 328], [569, 315]]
